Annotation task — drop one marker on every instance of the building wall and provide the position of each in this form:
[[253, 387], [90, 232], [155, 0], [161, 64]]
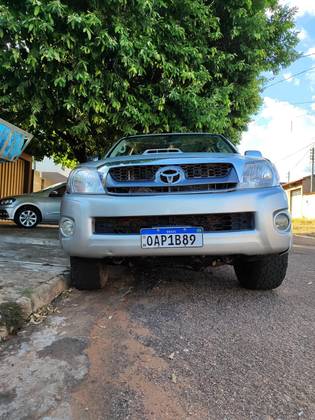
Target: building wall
[[45, 179], [38, 181], [308, 206], [16, 177], [301, 205], [307, 185]]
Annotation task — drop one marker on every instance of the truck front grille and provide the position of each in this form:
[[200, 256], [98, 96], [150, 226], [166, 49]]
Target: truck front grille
[[153, 179], [219, 222], [172, 189], [147, 173]]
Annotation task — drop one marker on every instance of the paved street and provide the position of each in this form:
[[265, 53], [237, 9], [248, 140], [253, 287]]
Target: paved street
[[169, 343]]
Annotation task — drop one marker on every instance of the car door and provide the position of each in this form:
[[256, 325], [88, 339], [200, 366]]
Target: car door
[[53, 204]]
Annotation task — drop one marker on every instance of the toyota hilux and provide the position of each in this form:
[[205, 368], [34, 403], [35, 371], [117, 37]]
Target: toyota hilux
[[191, 196]]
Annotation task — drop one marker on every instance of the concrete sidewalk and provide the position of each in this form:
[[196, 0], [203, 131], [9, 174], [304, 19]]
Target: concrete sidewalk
[[41, 235], [33, 271]]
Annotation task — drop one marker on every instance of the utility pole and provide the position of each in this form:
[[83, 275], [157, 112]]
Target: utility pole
[[312, 156]]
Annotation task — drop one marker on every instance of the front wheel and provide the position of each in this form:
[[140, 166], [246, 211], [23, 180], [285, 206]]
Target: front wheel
[[27, 217], [88, 273], [263, 273]]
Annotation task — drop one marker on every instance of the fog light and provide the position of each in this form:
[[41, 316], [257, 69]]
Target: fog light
[[282, 222], [66, 227]]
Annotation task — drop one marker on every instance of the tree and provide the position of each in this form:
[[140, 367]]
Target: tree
[[79, 74]]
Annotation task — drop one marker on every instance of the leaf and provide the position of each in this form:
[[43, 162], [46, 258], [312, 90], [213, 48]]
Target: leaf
[[100, 72]]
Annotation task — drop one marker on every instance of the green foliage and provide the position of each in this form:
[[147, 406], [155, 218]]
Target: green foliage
[[79, 74], [11, 316]]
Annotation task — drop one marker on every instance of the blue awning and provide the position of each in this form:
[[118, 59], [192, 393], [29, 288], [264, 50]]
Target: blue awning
[[13, 141]]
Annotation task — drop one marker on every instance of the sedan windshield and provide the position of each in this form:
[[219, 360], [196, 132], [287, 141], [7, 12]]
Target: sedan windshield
[[173, 143]]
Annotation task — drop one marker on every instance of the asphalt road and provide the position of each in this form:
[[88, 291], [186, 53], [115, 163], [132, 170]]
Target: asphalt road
[[170, 343]]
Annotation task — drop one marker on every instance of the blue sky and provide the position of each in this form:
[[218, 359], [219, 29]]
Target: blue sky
[[285, 125]]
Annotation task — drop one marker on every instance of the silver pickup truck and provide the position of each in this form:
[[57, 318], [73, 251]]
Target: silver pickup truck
[[177, 195]]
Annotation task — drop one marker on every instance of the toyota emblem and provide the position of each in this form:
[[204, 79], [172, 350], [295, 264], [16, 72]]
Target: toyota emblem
[[170, 175]]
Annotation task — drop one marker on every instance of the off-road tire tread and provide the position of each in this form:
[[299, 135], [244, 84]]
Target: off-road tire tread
[[87, 273], [264, 273]]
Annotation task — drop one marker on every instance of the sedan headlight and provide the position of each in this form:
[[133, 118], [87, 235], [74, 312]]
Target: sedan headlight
[[7, 201], [259, 174], [85, 181]]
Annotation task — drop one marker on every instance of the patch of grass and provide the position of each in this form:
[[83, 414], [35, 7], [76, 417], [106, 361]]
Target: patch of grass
[[306, 226], [27, 292], [11, 316]]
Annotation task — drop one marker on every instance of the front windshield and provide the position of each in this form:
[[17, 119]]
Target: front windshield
[[188, 143]]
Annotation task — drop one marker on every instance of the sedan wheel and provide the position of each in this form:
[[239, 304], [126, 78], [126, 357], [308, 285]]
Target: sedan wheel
[[27, 217]]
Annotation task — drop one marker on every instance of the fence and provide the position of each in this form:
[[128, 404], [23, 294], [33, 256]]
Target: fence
[[16, 177]]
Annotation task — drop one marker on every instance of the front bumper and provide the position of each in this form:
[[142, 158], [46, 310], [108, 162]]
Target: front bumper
[[264, 239], [6, 213]]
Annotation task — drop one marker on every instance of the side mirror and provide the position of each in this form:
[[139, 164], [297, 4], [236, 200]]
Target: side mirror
[[253, 153], [54, 193]]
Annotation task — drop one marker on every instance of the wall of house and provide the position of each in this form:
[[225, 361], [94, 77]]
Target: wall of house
[[16, 177], [38, 183], [308, 210], [301, 205]]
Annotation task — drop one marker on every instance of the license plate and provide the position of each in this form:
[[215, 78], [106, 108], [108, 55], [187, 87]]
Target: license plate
[[179, 237]]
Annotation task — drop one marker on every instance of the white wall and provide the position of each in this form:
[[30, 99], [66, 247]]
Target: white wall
[[305, 206], [308, 206], [48, 165]]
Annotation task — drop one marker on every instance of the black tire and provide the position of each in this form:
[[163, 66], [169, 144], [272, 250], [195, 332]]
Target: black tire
[[263, 273], [27, 217], [88, 274]]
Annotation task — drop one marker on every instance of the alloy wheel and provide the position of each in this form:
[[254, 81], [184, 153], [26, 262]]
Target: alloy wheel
[[28, 218]]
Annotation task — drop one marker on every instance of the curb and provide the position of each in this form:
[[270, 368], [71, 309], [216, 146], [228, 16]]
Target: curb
[[23, 307], [28, 241]]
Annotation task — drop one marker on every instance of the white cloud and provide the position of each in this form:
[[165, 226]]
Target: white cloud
[[302, 35], [288, 77], [303, 6], [311, 51], [279, 130], [310, 77]]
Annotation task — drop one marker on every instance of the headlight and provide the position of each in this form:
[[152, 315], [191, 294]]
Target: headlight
[[66, 226], [282, 221], [85, 181], [7, 201], [259, 174]]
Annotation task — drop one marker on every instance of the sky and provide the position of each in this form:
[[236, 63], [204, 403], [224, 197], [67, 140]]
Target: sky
[[284, 128]]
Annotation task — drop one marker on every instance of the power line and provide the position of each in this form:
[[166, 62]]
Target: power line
[[305, 55], [299, 161], [301, 56], [289, 78], [294, 153]]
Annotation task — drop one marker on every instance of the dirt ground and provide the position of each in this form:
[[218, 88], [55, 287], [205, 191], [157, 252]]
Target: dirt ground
[[169, 343]]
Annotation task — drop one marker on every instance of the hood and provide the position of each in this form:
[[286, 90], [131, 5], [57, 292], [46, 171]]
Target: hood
[[16, 197], [237, 160], [169, 159]]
